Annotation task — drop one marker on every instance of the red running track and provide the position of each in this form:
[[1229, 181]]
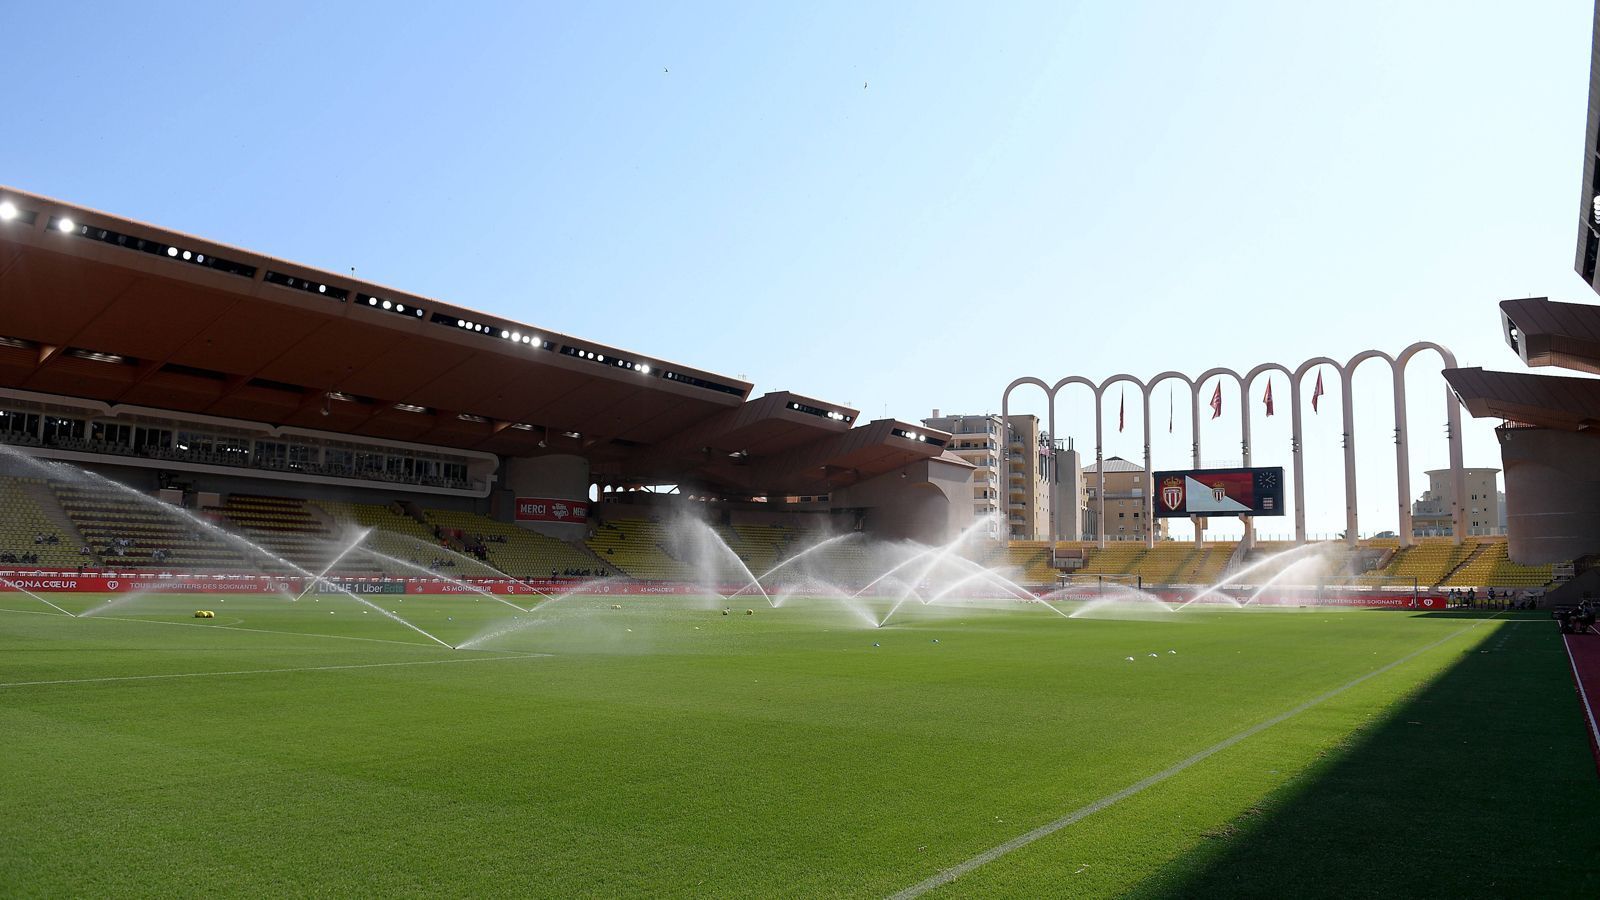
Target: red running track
[[1583, 651]]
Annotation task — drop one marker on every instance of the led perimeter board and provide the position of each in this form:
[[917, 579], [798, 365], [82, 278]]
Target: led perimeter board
[[1204, 492]]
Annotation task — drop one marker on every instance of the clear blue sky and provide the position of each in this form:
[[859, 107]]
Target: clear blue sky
[[900, 206]]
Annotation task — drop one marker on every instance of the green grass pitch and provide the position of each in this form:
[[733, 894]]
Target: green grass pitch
[[664, 749]]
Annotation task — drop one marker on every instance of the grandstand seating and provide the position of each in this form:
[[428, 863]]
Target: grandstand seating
[[760, 546], [409, 544], [26, 518], [1489, 567], [1117, 558], [635, 547], [306, 533], [1426, 563], [849, 562], [298, 532], [1204, 565], [517, 551], [1028, 563], [125, 532]]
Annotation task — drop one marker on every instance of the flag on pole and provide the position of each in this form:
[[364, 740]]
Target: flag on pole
[[1169, 408], [1268, 397], [1122, 409], [1317, 391], [1216, 401]]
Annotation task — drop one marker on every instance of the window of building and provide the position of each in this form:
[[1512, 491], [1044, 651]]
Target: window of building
[[61, 429], [19, 423]]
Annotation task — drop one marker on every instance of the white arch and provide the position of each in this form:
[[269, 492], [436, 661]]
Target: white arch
[[1458, 472], [1002, 496], [1055, 481], [1397, 365], [1149, 469], [1245, 442], [1352, 532]]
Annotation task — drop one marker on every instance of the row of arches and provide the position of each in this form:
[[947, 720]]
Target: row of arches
[[1397, 367]]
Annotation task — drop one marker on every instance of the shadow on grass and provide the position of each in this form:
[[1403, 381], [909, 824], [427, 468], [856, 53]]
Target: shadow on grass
[[1480, 785], [1512, 615]]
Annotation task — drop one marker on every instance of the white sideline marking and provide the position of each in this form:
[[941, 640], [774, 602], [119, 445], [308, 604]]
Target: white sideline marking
[[418, 662], [1566, 642], [1022, 840]]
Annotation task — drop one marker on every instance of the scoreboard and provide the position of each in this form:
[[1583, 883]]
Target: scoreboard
[[1203, 492]]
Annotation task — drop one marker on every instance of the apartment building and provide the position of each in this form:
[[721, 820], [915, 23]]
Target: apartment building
[[1485, 503], [1015, 466], [1125, 502]]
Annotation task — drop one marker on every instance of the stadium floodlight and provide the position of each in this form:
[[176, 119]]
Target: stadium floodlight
[[461, 323], [172, 251], [399, 307], [1596, 209], [372, 301], [644, 369], [199, 257], [387, 305], [66, 226], [187, 255], [516, 336], [505, 334], [8, 210]]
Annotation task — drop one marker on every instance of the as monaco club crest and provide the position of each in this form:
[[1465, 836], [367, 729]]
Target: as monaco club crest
[[1172, 493]]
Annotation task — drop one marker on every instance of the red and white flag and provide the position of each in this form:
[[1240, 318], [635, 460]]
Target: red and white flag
[[1268, 398], [1216, 401], [1317, 391], [1122, 410]]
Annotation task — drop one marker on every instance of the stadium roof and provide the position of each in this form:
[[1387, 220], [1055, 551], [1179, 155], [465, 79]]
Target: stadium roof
[[1587, 258], [1545, 333], [1550, 401], [119, 311]]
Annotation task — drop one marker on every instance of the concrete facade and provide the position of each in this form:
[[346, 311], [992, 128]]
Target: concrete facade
[[1552, 493], [928, 501]]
